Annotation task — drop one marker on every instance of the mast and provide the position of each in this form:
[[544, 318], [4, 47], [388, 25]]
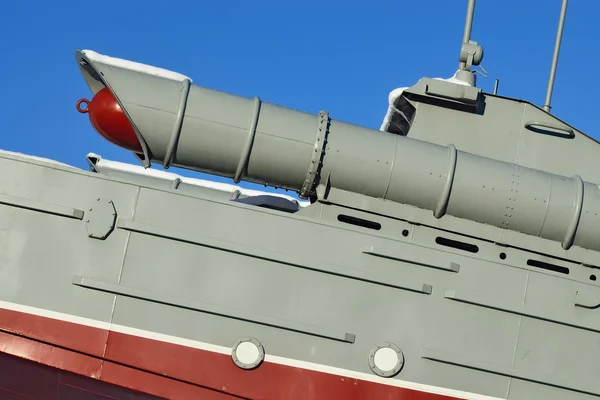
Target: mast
[[468, 28], [561, 23], [471, 53]]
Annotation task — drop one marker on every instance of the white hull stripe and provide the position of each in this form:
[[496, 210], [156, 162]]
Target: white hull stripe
[[227, 351]]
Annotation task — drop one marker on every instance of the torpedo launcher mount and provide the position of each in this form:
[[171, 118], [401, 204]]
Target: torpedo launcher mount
[[162, 117]]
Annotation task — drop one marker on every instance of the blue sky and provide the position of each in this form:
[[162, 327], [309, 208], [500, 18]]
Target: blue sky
[[343, 56]]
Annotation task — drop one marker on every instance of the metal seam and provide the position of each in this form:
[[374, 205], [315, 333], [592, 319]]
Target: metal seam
[[170, 154], [442, 204], [389, 182], [574, 223], [318, 151], [243, 163]]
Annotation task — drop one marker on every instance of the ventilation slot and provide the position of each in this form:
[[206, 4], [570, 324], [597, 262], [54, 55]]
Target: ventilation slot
[[359, 222], [471, 248], [548, 266]]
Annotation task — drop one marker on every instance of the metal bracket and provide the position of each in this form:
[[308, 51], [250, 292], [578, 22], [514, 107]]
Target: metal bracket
[[39, 206], [471, 54], [101, 219], [323, 189]]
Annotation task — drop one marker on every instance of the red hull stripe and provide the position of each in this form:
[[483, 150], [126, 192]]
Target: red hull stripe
[[123, 356], [40, 375]]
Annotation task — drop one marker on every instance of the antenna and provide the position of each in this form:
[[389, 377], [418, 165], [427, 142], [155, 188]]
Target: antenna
[[470, 52], [468, 28], [561, 23]]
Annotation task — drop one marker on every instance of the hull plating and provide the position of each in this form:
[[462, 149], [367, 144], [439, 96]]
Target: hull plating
[[50, 358], [146, 285]]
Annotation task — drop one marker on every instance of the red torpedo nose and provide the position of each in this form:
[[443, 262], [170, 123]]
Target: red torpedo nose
[[109, 120]]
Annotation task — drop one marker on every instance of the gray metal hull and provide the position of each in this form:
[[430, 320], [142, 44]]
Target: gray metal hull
[[128, 274]]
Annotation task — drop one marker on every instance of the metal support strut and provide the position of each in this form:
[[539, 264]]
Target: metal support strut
[[561, 23]]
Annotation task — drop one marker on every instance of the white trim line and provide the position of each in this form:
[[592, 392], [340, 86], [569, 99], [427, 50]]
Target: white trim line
[[55, 315], [227, 351]]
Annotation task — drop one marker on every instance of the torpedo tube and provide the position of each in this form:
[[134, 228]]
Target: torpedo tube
[[109, 120]]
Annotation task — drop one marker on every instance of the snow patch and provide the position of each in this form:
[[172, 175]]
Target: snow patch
[[223, 187], [394, 94], [34, 158], [134, 66]]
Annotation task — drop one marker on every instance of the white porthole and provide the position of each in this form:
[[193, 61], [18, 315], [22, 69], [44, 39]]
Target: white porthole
[[248, 353], [386, 359]]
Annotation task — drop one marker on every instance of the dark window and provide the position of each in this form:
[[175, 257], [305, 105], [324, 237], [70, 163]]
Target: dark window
[[548, 266], [359, 222], [471, 248]]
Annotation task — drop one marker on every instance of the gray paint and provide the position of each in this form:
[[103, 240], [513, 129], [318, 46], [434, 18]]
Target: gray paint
[[215, 138], [494, 312], [469, 241]]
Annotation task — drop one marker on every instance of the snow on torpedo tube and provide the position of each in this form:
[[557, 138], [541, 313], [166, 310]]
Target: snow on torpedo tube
[[185, 125]]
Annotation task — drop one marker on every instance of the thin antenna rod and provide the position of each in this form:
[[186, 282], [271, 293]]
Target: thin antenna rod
[[561, 23], [468, 27]]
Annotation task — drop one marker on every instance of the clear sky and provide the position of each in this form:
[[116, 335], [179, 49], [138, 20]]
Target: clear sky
[[343, 56]]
